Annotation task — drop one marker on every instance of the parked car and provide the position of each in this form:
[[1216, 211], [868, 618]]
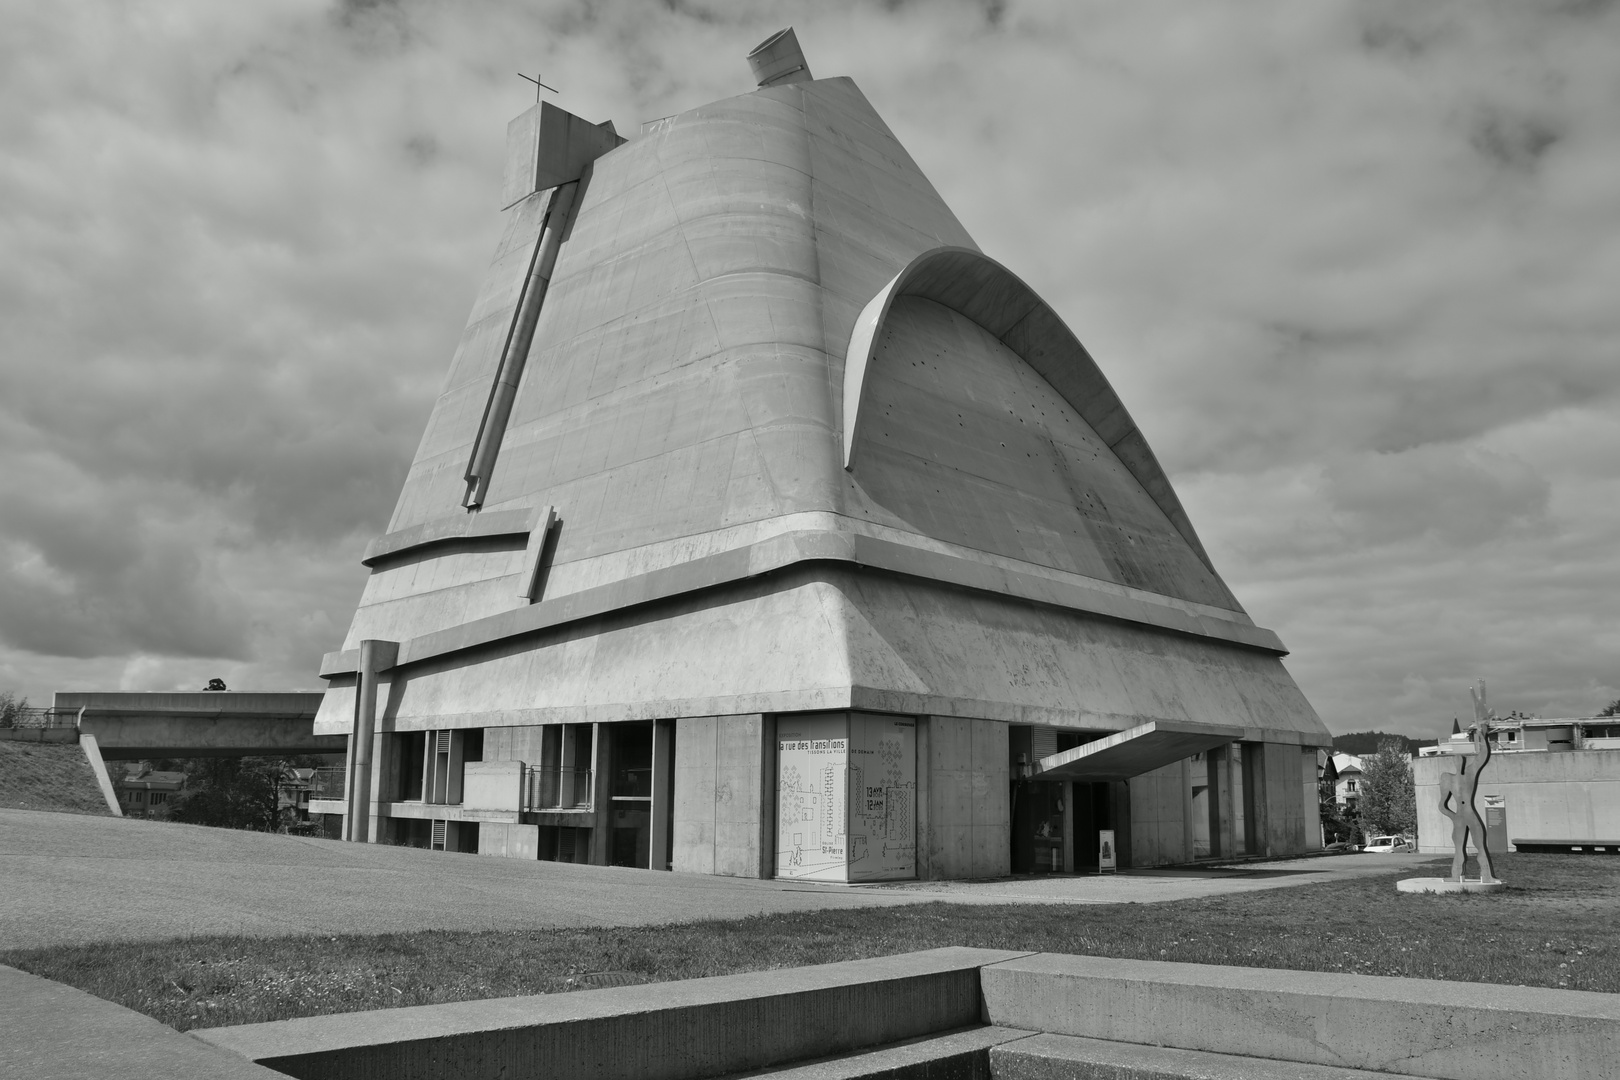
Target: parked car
[[1384, 845]]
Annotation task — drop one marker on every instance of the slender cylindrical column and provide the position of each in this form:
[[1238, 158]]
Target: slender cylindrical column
[[375, 656]]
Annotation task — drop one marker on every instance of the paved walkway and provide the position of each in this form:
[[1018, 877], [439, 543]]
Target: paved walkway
[[71, 879]]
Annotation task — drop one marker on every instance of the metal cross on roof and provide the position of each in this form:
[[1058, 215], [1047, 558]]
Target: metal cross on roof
[[538, 85]]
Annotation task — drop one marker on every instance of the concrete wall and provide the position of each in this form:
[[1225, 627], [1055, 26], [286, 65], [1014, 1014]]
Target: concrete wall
[[493, 785], [1571, 795], [514, 743], [1160, 815], [1310, 805], [1285, 813], [964, 829], [724, 809], [509, 841]]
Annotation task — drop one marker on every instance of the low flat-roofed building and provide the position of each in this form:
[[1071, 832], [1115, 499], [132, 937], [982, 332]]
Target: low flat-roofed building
[[1550, 783]]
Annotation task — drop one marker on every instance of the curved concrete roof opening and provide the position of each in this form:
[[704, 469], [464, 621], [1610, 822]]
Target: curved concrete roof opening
[[1005, 427]]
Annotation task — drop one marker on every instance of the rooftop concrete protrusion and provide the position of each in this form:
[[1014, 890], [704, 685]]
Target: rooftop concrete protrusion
[[547, 146], [778, 59]]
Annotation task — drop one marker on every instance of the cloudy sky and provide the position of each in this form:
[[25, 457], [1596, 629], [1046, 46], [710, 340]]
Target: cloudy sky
[[1354, 267]]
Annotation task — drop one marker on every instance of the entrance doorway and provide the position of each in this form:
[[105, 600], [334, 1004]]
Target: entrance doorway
[[1093, 812]]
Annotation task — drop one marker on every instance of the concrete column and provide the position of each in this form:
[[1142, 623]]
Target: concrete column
[[375, 656], [925, 772], [1069, 864], [767, 796], [663, 779], [1219, 824], [601, 849]]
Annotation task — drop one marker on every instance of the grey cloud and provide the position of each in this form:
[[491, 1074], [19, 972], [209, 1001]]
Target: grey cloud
[[1464, 497]]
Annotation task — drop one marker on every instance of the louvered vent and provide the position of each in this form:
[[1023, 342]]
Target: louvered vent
[[439, 830]]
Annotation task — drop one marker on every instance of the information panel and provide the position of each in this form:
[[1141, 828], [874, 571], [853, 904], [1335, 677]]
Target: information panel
[[812, 818], [883, 798], [846, 797]]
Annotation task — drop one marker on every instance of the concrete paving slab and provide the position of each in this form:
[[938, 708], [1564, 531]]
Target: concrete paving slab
[[183, 881], [53, 1032]]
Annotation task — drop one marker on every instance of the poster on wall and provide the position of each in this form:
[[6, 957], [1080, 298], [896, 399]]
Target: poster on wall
[[1107, 857], [882, 798], [812, 768]]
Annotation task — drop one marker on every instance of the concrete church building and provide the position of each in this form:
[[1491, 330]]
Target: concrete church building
[[765, 527]]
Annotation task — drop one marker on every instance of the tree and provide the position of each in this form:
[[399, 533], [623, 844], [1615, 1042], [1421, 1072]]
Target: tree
[[1611, 709], [1338, 822], [1388, 799], [231, 793], [12, 709]]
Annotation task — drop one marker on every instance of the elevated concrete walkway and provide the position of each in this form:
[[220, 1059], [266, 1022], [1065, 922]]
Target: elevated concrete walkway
[[203, 724]]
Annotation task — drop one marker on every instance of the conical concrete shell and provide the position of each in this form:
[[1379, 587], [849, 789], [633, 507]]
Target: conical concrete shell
[[992, 539]]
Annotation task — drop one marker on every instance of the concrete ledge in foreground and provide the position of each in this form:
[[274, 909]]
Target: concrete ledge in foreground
[[1413, 1027], [659, 1031], [49, 1031], [1068, 1057]]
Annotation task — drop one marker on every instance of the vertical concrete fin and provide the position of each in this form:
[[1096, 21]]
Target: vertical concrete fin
[[92, 754], [536, 559]]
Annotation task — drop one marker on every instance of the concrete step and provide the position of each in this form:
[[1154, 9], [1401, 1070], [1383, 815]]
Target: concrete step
[[954, 1055], [1069, 1057], [718, 1026], [1414, 1027]]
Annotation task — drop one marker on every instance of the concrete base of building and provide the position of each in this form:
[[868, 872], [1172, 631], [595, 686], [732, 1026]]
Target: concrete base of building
[[1446, 885]]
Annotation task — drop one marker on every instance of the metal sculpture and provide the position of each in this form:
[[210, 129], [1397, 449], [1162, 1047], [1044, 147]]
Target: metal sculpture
[[1461, 786]]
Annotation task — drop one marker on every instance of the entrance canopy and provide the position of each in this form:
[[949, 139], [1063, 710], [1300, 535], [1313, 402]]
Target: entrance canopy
[[1135, 751]]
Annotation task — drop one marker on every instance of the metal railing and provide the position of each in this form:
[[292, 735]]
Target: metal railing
[[557, 789], [39, 718], [327, 783]]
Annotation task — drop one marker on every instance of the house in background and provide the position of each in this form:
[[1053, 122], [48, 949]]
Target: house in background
[[1347, 789], [145, 793]]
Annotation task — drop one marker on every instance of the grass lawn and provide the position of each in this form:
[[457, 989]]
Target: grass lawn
[[48, 776], [1558, 925]]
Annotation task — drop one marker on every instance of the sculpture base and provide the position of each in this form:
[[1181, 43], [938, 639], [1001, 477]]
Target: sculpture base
[[1446, 885]]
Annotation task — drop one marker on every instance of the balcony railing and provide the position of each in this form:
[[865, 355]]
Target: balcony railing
[[557, 789], [326, 784]]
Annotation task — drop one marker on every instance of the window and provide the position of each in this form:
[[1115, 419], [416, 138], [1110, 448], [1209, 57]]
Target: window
[[159, 798], [1349, 785]]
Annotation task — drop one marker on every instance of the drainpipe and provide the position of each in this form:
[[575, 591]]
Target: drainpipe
[[375, 656]]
